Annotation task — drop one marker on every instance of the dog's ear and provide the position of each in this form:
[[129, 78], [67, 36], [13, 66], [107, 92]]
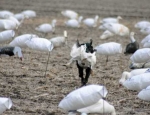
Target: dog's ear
[[77, 43], [91, 41]]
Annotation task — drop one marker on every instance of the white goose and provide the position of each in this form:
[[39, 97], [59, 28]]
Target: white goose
[[47, 28], [29, 13], [40, 44], [20, 17], [144, 94], [146, 39], [90, 22], [106, 34], [141, 56], [58, 41], [111, 20], [145, 30], [70, 14], [126, 75], [115, 28], [20, 40], [5, 12], [83, 97], [6, 35], [142, 24], [74, 22], [137, 82], [5, 103], [108, 49], [101, 106]]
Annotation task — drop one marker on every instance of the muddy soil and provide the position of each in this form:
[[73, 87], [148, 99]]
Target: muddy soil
[[35, 93]]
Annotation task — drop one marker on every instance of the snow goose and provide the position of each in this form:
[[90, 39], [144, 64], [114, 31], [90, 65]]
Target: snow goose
[[7, 24], [5, 103], [115, 28], [126, 75], [90, 22], [146, 30], [40, 44], [101, 106], [20, 40], [144, 94], [5, 12], [111, 20], [29, 13], [11, 51], [146, 39], [106, 34], [20, 17], [13, 19], [133, 46], [70, 14], [108, 49], [142, 24], [6, 35], [58, 41], [83, 97], [74, 22], [47, 28], [137, 82], [141, 56]]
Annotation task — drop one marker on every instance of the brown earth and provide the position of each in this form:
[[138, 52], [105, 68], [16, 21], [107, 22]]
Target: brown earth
[[25, 82]]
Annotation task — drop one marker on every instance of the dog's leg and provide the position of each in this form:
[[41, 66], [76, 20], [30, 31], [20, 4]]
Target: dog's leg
[[80, 70], [88, 72]]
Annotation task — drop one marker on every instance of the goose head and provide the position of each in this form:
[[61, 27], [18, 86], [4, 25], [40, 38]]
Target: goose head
[[125, 76], [119, 18], [95, 20], [80, 19]]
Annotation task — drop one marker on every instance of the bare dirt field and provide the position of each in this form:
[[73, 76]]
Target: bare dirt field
[[25, 82]]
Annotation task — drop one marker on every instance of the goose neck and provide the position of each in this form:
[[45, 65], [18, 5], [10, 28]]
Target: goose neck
[[132, 39]]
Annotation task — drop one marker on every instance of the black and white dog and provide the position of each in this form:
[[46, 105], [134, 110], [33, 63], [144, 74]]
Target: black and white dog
[[85, 58]]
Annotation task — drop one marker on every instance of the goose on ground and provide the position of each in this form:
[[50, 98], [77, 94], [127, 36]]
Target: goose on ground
[[59, 41], [106, 34], [133, 46], [11, 51], [74, 22], [146, 30], [20, 40], [7, 24], [144, 94], [126, 75], [111, 20], [137, 82], [142, 24], [40, 44], [141, 56], [108, 49], [5, 103], [29, 13], [20, 16], [83, 97], [101, 106], [117, 29], [5, 12], [146, 39], [70, 14], [6, 35], [91, 22], [47, 28], [139, 65]]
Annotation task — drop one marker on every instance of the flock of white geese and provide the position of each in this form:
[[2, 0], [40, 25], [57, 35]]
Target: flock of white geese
[[88, 99]]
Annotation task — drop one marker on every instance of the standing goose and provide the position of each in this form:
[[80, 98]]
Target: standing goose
[[111, 20], [133, 46], [11, 51], [74, 22], [69, 14], [90, 22], [46, 28]]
